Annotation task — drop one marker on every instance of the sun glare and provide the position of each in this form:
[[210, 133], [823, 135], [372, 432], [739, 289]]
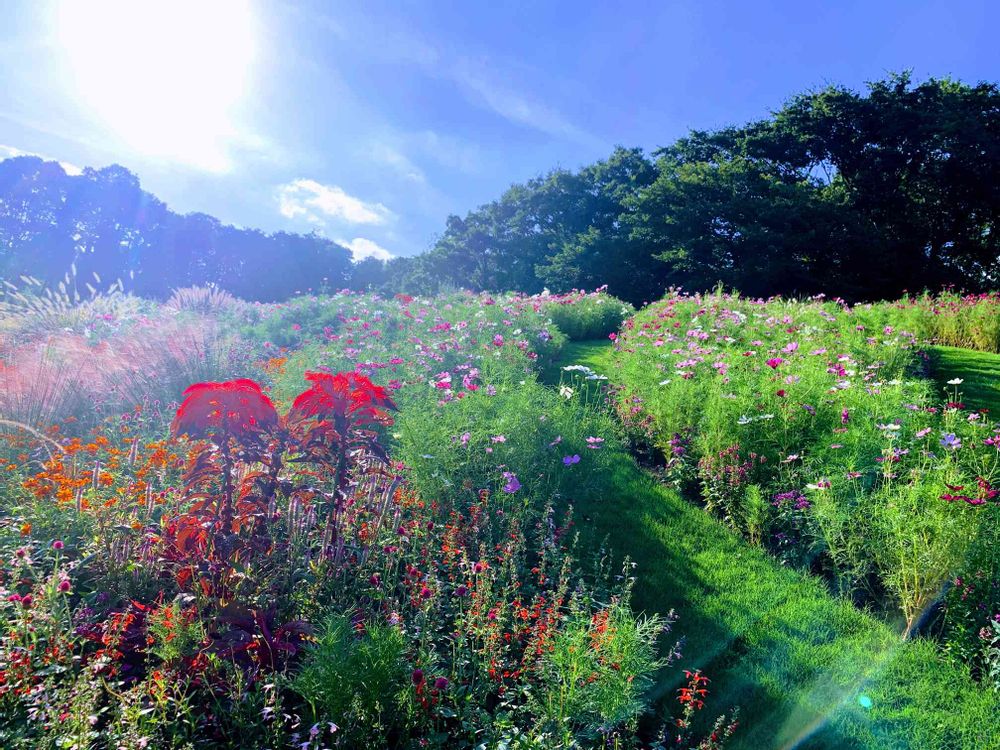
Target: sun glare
[[166, 78]]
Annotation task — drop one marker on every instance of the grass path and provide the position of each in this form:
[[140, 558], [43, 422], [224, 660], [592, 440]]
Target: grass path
[[979, 370], [807, 669]]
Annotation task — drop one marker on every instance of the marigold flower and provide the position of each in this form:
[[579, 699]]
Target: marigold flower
[[235, 407]]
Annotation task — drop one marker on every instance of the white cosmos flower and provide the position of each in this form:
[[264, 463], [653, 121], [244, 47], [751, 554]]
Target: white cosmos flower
[[956, 381], [565, 391]]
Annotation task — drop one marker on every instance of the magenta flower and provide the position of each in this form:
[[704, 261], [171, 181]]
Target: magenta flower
[[594, 443], [774, 362]]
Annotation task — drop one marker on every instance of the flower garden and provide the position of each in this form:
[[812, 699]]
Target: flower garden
[[445, 522]]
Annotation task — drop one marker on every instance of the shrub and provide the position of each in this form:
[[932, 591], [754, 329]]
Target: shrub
[[582, 316], [358, 678]]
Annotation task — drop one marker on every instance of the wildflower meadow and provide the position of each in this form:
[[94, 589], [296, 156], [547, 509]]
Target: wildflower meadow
[[495, 521]]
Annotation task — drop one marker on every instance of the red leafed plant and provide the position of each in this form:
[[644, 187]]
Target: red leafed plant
[[253, 471], [237, 408]]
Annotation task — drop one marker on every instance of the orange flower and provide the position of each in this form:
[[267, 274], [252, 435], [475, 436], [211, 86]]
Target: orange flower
[[236, 407]]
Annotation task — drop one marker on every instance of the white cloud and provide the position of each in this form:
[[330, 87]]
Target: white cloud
[[316, 202], [362, 248], [391, 157], [9, 152]]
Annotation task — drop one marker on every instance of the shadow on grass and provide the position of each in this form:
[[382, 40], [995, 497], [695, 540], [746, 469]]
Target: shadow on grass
[[979, 370]]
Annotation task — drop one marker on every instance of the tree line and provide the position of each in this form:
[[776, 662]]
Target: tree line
[[862, 195], [102, 222]]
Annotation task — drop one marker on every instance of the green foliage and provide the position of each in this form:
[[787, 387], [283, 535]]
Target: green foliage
[[584, 316], [356, 680], [596, 671]]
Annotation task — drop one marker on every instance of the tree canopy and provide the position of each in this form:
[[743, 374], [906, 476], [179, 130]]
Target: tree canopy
[[102, 222], [859, 194]]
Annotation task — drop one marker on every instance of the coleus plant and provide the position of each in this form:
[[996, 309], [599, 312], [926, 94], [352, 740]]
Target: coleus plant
[[249, 466]]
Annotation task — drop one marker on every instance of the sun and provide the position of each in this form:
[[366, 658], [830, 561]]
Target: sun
[[167, 78]]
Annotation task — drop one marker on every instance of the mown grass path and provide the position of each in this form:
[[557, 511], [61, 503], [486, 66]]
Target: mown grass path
[[807, 669], [979, 370]]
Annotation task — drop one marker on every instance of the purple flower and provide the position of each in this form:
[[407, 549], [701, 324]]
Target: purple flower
[[441, 683], [512, 485], [464, 439], [570, 460], [951, 441]]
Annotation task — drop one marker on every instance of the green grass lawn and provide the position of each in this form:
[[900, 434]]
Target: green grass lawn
[[979, 370], [807, 669]]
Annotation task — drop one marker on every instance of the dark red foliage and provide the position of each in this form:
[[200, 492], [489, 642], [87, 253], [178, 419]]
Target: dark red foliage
[[236, 408], [344, 396]]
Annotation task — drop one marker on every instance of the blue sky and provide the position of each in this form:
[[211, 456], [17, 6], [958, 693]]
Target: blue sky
[[371, 122]]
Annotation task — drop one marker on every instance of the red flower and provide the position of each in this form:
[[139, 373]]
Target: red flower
[[344, 395], [236, 407]]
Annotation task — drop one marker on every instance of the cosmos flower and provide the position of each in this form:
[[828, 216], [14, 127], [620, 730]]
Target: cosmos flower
[[951, 441], [512, 484]]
